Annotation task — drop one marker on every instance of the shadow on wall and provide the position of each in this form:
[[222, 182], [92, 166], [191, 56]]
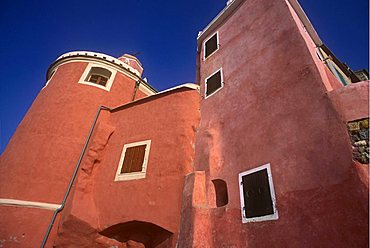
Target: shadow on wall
[[144, 234], [222, 197]]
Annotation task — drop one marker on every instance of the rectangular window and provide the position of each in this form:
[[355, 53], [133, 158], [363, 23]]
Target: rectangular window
[[257, 196], [133, 162], [214, 83], [211, 45]]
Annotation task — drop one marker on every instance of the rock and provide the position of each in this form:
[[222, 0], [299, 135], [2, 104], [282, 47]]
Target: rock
[[361, 149], [360, 143], [353, 126], [364, 134], [355, 138], [364, 123]]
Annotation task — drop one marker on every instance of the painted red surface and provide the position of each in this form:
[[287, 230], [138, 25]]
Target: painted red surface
[[327, 78], [273, 109], [132, 62], [57, 124], [20, 227], [41, 156], [352, 102], [169, 121], [278, 105]]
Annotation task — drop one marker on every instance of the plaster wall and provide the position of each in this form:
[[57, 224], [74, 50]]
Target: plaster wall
[[328, 79], [24, 227], [169, 121], [352, 102], [273, 109], [48, 141], [41, 156]]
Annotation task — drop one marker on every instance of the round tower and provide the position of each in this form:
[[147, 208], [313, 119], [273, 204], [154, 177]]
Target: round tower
[[38, 163]]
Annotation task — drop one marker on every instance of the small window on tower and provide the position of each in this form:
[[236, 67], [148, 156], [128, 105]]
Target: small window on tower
[[213, 83], [133, 162], [98, 75], [211, 45], [257, 195]]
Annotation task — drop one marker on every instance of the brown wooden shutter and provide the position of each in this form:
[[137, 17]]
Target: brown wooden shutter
[[134, 159]]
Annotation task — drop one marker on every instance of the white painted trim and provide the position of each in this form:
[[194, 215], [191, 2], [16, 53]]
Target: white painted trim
[[83, 79], [104, 63], [101, 56], [204, 45], [145, 90], [29, 204], [97, 62], [133, 175], [230, 6], [306, 22], [133, 58], [47, 82], [205, 83], [228, 10], [188, 85], [273, 216]]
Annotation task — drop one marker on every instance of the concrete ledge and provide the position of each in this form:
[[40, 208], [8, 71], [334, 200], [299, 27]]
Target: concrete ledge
[[29, 204], [352, 101]]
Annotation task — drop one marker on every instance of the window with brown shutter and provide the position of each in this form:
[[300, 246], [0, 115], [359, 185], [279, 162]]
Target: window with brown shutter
[[257, 195], [134, 158], [133, 162]]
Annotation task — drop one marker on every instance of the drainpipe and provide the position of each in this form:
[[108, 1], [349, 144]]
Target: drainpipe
[[73, 176], [135, 89]]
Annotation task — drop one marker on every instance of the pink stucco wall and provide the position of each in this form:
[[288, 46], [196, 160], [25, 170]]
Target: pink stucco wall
[[41, 156], [278, 105], [351, 102], [169, 121], [274, 109]]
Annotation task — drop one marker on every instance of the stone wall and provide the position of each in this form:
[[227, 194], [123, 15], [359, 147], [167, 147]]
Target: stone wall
[[359, 133]]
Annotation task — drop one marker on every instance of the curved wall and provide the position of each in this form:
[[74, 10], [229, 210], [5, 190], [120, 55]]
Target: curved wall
[[38, 162]]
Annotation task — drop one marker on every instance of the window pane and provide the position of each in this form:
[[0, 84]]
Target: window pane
[[93, 78], [103, 81]]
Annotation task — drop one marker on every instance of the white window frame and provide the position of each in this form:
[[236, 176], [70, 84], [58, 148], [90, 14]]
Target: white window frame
[[108, 85], [204, 45], [273, 216], [133, 175], [205, 83]]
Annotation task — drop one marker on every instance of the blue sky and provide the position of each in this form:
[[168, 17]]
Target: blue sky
[[34, 33]]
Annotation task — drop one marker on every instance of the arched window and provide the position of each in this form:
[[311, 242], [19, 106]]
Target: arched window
[[98, 75]]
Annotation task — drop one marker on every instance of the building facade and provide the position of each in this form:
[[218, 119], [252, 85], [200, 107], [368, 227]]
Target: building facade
[[268, 149]]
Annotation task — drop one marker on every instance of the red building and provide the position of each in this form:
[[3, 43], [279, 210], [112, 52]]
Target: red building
[[269, 149]]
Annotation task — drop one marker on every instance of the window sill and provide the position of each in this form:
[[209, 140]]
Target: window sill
[[130, 176]]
